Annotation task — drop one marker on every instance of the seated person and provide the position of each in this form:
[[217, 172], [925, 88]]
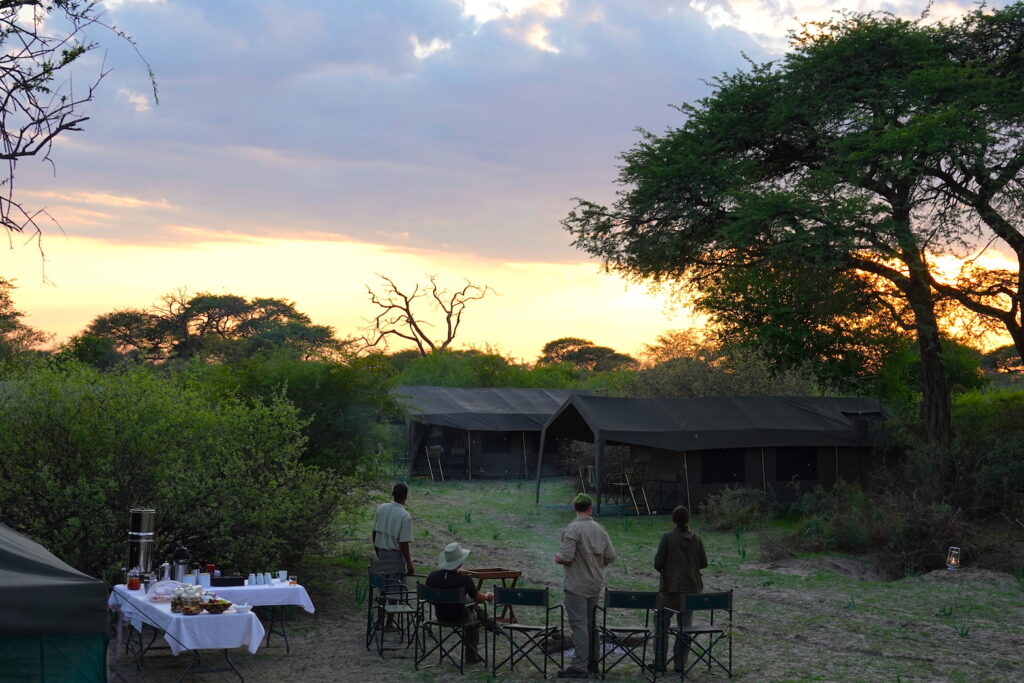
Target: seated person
[[447, 576]]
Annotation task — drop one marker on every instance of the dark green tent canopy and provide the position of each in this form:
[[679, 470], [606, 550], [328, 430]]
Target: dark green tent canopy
[[689, 424], [41, 595], [711, 423], [490, 409]]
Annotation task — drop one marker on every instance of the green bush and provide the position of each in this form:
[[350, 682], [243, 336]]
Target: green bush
[[79, 448], [735, 509], [899, 380], [474, 368], [982, 468], [903, 530], [342, 404]]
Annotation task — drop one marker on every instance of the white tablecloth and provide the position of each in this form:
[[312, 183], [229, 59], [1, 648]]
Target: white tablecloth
[[264, 596], [192, 632]]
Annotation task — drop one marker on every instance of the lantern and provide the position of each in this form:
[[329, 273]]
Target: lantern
[[953, 558]]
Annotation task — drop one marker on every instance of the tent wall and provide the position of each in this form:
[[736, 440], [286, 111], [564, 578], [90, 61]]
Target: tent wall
[[54, 659], [481, 454], [666, 475]]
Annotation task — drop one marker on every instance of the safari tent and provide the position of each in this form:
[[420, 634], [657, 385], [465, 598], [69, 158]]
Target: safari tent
[[683, 449], [478, 433], [53, 620]]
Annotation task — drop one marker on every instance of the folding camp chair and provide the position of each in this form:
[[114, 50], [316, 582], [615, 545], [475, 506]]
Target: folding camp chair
[[389, 608], [446, 638], [434, 453], [622, 643], [706, 602], [528, 641]]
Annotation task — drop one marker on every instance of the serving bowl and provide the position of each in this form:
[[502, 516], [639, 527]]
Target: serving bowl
[[216, 607]]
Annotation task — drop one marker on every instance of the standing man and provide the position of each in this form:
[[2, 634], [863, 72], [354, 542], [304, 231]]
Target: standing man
[[679, 559], [586, 550], [392, 529]]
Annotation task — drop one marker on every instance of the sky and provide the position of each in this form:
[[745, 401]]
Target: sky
[[301, 149]]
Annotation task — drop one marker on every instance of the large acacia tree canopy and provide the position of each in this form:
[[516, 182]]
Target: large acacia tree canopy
[[875, 142], [816, 152]]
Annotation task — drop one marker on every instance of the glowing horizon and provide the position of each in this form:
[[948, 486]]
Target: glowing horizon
[[315, 273]]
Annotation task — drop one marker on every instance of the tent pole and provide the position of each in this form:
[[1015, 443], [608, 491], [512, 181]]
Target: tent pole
[[540, 458], [837, 467], [764, 481], [410, 447], [469, 457], [598, 457], [526, 467], [686, 470]]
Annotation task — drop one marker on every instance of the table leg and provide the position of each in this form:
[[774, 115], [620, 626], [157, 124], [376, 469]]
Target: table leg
[[277, 616], [193, 667]]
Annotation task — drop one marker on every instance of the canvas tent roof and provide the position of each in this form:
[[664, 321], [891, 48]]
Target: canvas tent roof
[[688, 424], [492, 409], [41, 595]]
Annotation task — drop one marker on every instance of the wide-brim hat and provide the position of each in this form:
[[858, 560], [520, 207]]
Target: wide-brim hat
[[452, 556]]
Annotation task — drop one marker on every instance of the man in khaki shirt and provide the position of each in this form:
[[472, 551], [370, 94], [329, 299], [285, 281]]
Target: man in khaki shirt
[[585, 551]]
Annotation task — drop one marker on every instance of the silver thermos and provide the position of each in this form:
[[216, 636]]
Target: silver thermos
[[180, 561]]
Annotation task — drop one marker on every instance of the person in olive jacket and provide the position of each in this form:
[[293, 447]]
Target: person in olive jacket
[[679, 559]]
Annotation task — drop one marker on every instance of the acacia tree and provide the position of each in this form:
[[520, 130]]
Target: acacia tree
[[838, 156], [215, 326], [399, 318], [828, 321], [584, 355], [15, 336], [41, 41]]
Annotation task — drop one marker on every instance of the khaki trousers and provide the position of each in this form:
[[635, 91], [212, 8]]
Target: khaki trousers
[[681, 649], [580, 611]]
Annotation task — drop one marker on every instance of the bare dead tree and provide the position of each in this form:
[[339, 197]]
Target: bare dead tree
[[40, 40], [397, 319]]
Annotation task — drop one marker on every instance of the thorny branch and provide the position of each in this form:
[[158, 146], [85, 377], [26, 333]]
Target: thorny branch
[[38, 97], [398, 318]]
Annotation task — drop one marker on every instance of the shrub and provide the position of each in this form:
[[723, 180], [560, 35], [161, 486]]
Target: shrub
[[903, 530], [982, 468], [735, 509], [341, 403], [79, 448]]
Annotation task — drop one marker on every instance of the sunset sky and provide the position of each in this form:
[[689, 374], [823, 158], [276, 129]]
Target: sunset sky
[[300, 148]]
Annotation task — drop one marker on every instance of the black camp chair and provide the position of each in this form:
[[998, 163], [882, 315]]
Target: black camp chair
[[445, 638], [706, 652], [528, 641], [627, 643], [389, 606]]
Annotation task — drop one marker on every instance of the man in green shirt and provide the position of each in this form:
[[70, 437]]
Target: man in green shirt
[[679, 559]]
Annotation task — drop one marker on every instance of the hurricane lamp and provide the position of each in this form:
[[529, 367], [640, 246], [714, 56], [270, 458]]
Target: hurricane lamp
[[953, 558]]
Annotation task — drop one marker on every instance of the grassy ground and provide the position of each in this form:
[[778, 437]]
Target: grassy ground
[[802, 619], [809, 618]]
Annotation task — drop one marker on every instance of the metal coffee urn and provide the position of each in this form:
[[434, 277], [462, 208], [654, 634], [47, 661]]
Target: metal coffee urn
[[140, 540]]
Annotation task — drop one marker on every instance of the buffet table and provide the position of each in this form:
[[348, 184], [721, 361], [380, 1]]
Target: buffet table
[[265, 596], [186, 633], [274, 597]]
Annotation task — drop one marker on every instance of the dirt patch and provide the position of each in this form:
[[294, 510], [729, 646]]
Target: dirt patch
[[984, 577], [853, 568]]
